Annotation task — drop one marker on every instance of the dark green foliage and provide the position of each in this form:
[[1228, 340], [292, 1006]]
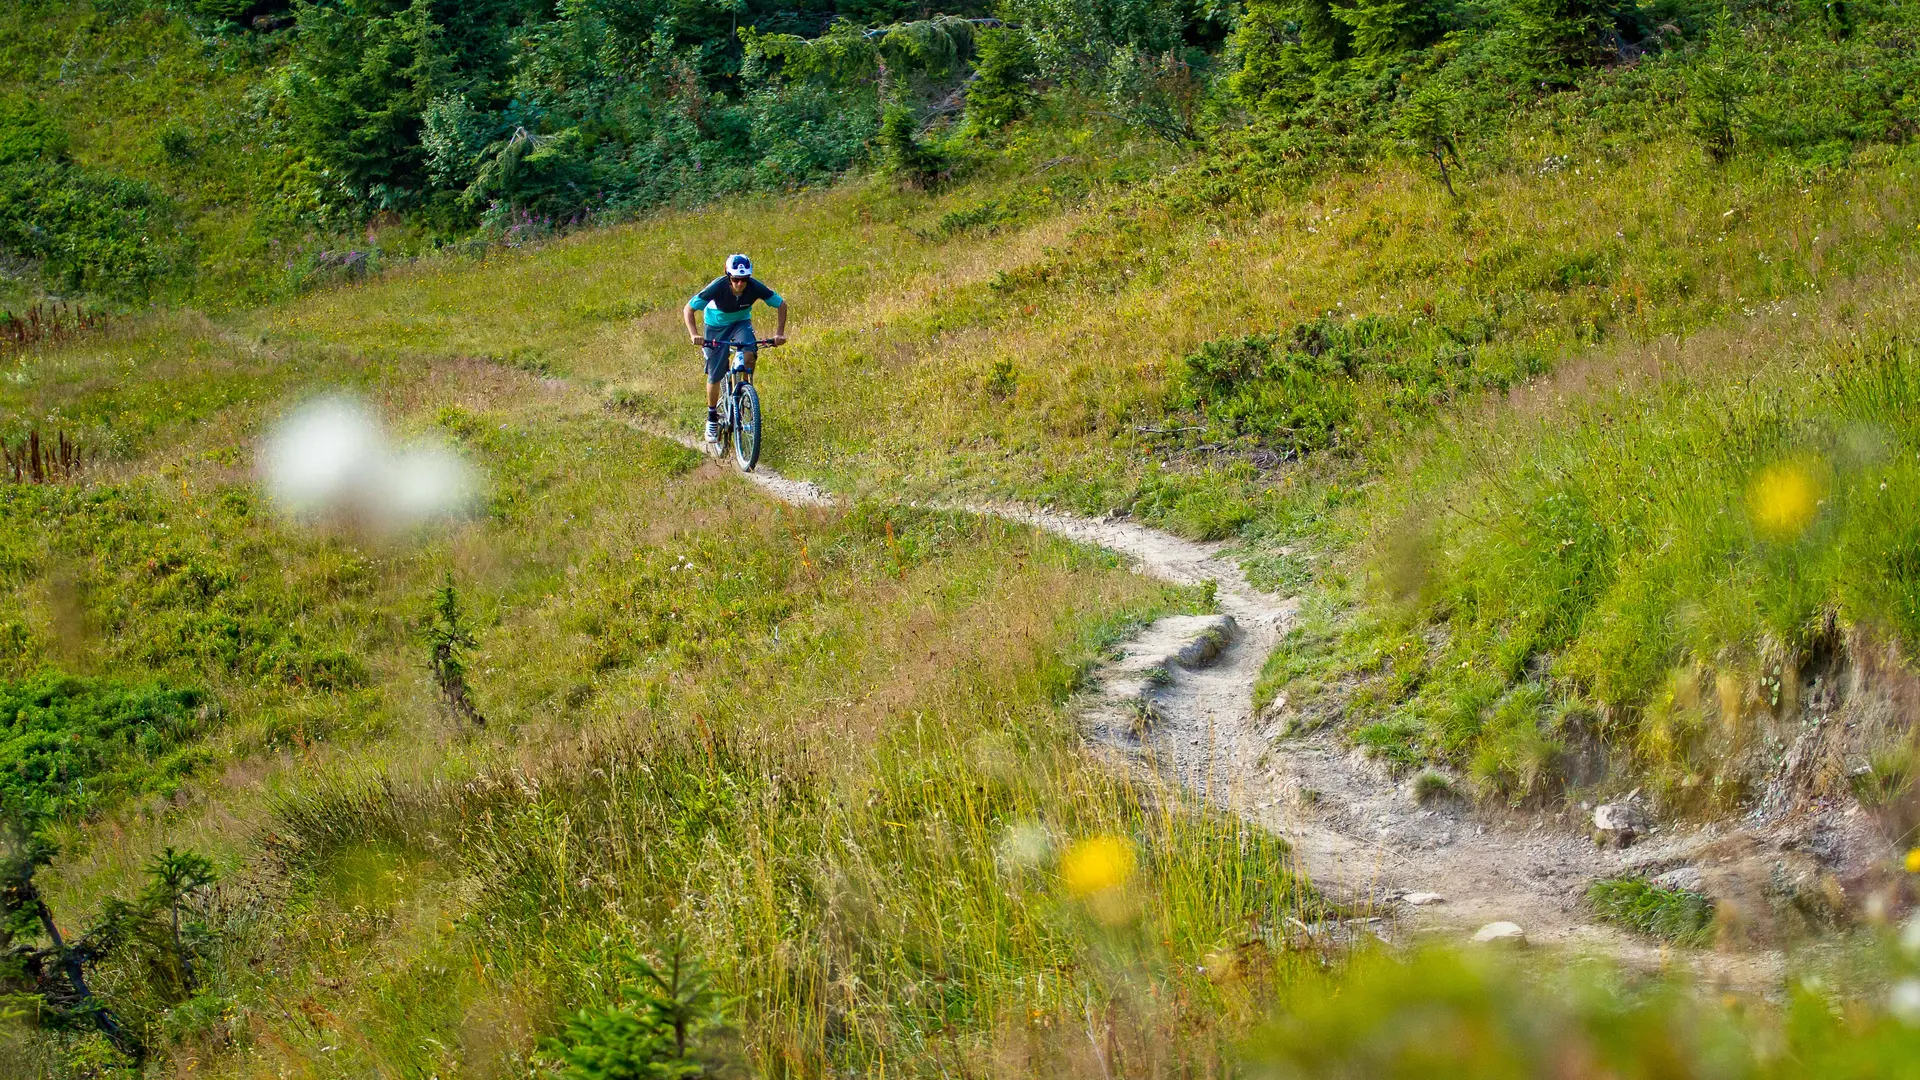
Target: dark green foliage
[[1326, 82], [68, 745], [903, 154], [1429, 122], [664, 1014], [1280, 44], [1382, 29], [1784, 81], [165, 934], [161, 937], [1675, 915], [177, 883], [449, 639], [238, 11], [1132, 55], [520, 115], [1713, 109], [87, 230], [1555, 39], [1328, 379], [1002, 89], [1075, 42], [357, 90], [1294, 394], [39, 967]]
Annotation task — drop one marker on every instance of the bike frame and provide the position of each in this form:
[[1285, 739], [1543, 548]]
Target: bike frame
[[738, 376]]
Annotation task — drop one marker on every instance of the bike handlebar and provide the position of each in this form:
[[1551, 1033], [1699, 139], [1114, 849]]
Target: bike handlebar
[[767, 342]]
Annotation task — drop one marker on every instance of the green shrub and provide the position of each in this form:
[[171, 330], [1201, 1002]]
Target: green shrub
[[664, 1013], [87, 230], [1380, 29], [1002, 89], [902, 153], [1327, 82], [70, 744], [1330, 380], [1676, 915]]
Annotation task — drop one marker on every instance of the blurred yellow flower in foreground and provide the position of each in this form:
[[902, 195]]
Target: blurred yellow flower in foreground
[[1782, 500], [1096, 865], [1913, 861]]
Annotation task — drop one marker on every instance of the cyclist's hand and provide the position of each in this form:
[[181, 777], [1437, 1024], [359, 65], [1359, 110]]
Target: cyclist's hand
[[779, 339], [697, 339]]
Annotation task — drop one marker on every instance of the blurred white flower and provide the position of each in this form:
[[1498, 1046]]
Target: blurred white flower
[[1910, 936], [428, 481], [331, 458], [321, 455], [1025, 845], [1904, 1001]]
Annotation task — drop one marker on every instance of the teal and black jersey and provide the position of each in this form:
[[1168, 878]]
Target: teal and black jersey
[[722, 308]]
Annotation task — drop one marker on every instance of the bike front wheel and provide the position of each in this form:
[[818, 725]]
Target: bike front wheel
[[746, 427]]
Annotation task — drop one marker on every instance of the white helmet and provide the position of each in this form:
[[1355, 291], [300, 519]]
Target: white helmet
[[739, 266]]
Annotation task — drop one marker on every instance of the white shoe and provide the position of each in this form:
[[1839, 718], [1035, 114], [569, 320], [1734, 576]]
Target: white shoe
[[713, 431]]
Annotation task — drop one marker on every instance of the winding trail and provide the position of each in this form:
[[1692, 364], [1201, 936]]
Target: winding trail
[[1179, 702]]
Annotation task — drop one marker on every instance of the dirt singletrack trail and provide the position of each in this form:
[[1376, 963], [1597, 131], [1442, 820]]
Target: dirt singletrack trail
[[1178, 703]]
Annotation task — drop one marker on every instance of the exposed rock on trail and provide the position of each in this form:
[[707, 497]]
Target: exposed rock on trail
[[1179, 701], [1619, 824], [1358, 834]]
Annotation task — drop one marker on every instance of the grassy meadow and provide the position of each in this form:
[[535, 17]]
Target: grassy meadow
[[1334, 378], [1608, 449], [1014, 356], [826, 749]]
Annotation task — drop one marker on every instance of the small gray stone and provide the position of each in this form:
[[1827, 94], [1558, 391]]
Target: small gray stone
[[1422, 899], [1618, 824], [1683, 878], [1501, 933]]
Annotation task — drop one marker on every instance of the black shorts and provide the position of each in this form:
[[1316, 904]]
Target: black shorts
[[741, 331]]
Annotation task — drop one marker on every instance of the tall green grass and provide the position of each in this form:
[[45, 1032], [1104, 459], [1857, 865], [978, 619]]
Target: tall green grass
[[1476, 1017], [1658, 551], [829, 746], [1016, 361]]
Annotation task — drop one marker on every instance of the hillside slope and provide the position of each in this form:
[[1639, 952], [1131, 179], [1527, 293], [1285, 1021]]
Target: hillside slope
[[1590, 464]]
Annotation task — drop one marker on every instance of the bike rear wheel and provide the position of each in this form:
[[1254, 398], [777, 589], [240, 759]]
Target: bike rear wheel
[[746, 427]]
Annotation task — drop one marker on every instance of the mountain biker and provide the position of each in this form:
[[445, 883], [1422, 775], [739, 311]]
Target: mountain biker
[[727, 307]]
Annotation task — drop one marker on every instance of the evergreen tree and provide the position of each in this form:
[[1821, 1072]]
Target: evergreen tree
[[1002, 88], [35, 957], [449, 639], [1555, 38], [1381, 29]]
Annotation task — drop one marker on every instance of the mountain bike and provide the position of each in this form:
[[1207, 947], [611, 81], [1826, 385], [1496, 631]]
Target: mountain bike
[[740, 404]]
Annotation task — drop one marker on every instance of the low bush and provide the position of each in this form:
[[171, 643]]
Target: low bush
[[1335, 381], [70, 745], [87, 230], [1675, 915]]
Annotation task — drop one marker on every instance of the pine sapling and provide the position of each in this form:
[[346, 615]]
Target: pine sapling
[[449, 639], [25, 917], [174, 879]]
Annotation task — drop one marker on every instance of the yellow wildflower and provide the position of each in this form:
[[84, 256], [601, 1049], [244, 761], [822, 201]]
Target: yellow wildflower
[[1782, 500], [1096, 865]]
